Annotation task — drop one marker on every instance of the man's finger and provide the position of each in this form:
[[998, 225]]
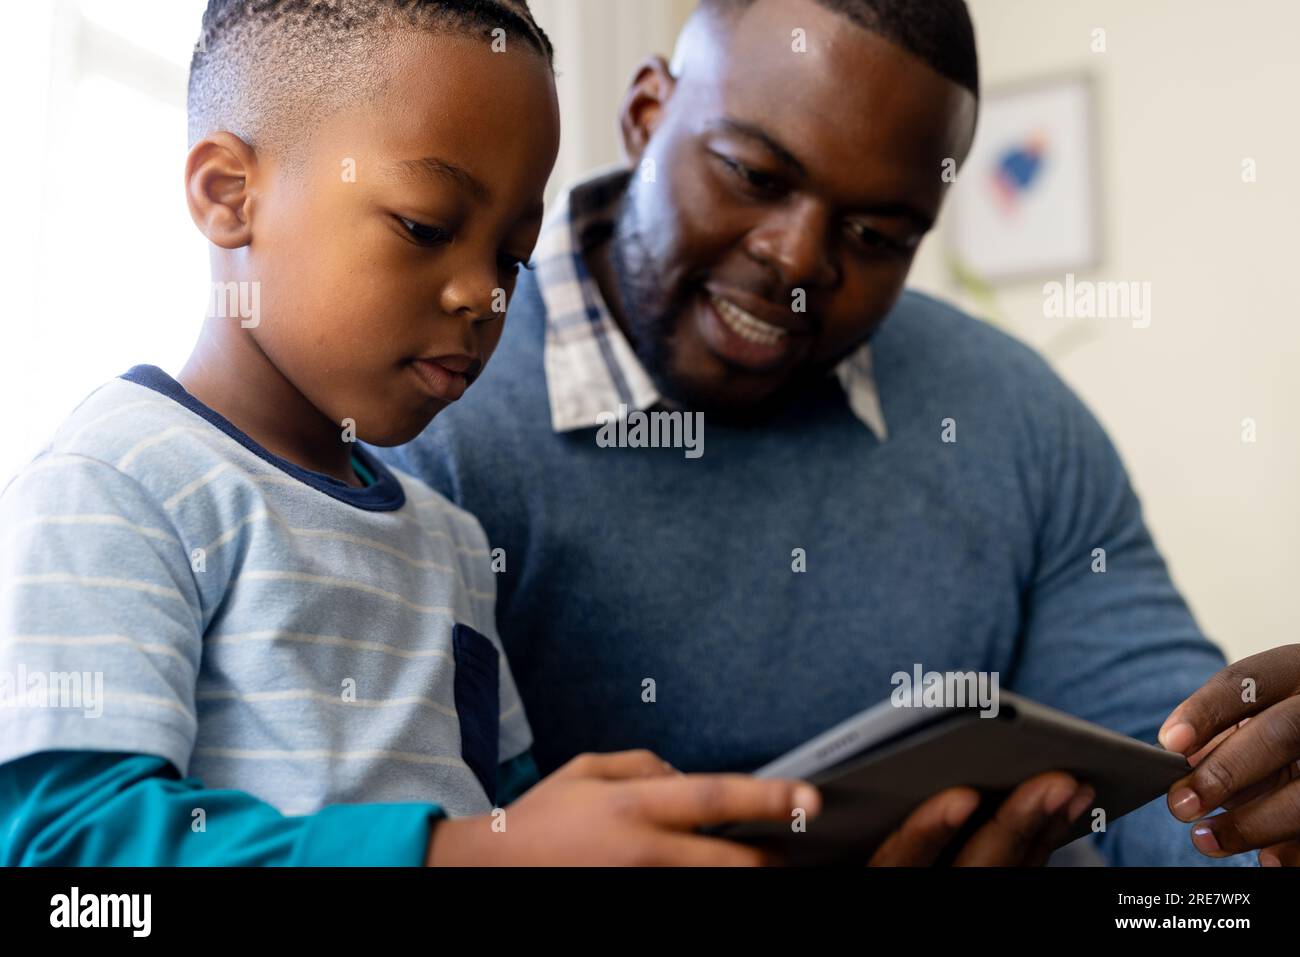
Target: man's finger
[[1271, 676], [1270, 783], [1218, 739], [1016, 829], [1281, 855], [1270, 819], [696, 800], [1057, 831], [921, 838], [1252, 754]]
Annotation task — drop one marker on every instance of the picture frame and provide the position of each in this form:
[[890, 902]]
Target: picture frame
[[1026, 203]]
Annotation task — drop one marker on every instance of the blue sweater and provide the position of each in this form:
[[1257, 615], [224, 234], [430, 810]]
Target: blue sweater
[[628, 564]]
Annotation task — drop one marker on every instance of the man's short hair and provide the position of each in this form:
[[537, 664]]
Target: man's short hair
[[939, 32]]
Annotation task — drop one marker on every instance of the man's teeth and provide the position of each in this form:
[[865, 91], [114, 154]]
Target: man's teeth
[[747, 326]]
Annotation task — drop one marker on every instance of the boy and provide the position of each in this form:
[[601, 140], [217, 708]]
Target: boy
[[302, 633]]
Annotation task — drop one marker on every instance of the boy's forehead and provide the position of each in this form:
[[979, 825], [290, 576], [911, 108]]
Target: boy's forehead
[[434, 75], [444, 98]]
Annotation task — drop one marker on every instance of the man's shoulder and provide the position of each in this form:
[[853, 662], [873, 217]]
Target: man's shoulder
[[925, 329], [930, 347]]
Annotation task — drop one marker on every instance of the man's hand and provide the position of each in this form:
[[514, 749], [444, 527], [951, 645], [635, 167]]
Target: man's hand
[[1245, 748], [629, 807], [1031, 823]]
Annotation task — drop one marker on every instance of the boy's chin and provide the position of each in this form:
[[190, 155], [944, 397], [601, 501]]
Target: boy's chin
[[399, 434]]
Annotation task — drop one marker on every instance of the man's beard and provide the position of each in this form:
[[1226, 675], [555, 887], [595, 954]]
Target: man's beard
[[653, 307], [650, 309]]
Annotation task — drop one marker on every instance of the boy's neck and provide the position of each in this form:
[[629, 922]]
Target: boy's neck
[[232, 375]]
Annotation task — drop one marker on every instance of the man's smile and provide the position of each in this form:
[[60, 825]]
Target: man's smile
[[755, 336]]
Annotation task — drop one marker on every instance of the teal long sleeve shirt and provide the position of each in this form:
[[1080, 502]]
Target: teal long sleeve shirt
[[95, 808]]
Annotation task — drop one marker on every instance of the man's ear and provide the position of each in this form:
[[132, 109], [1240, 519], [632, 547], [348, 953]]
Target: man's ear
[[218, 173], [643, 106]]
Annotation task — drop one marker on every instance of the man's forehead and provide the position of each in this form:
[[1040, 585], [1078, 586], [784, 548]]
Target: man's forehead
[[862, 116], [819, 79]]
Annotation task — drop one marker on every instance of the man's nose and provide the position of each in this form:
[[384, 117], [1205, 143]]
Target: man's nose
[[796, 243]]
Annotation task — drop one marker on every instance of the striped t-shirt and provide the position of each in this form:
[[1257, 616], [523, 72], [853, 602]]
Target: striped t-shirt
[[169, 587]]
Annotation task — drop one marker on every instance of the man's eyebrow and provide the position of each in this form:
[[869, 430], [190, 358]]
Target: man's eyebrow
[[432, 166], [901, 211], [757, 133], [752, 132]]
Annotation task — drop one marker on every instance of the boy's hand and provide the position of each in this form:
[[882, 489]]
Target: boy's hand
[[1031, 823], [1245, 749], [629, 807]]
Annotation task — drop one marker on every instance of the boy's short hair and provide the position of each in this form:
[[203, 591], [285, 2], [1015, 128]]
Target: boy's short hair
[[270, 70]]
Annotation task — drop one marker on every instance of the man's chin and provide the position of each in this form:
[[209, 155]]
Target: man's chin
[[729, 404]]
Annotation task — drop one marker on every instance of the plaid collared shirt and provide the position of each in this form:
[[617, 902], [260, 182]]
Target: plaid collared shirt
[[590, 366]]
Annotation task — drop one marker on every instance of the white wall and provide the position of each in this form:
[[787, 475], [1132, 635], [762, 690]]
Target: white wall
[[1187, 90], [99, 261], [598, 45]]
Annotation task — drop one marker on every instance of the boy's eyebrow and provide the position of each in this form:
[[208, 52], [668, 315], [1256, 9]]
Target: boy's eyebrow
[[432, 166]]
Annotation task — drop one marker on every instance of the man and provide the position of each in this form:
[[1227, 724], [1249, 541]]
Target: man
[[883, 482], [1241, 733]]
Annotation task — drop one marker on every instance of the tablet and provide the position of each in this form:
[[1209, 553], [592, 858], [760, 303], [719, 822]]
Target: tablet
[[876, 767]]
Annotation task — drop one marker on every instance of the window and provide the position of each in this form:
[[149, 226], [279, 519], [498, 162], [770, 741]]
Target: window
[[108, 269]]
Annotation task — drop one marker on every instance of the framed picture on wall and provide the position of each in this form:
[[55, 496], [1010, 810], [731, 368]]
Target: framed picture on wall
[[1026, 202]]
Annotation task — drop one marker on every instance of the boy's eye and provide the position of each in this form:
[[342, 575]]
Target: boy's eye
[[422, 234]]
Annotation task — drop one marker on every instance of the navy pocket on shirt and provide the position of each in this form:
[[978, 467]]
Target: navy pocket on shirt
[[478, 704]]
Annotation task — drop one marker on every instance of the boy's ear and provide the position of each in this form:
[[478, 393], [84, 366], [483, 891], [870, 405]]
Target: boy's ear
[[218, 172], [643, 106]]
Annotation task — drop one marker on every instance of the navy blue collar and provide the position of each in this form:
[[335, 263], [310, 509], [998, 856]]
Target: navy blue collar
[[385, 495]]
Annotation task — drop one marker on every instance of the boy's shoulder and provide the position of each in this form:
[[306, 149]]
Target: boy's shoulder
[[130, 432], [437, 514], [110, 424], [125, 454]]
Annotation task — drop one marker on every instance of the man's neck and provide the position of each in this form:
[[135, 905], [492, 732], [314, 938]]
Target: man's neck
[[229, 372]]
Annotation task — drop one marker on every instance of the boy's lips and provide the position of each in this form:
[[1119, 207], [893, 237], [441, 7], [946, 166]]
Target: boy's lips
[[446, 377]]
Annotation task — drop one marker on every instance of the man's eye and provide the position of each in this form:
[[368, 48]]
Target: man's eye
[[422, 234], [761, 182], [874, 239]]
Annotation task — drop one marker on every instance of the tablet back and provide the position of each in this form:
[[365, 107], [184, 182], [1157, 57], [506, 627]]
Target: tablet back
[[868, 792]]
